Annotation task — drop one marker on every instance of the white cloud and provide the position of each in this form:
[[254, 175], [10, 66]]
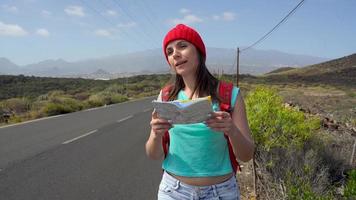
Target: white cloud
[[110, 13], [12, 9], [103, 33], [225, 16], [46, 13], [187, 19], [11, 30], [126, 25], [216, 17], [75, 11], [184, 11], [42, 32], [228, 16]]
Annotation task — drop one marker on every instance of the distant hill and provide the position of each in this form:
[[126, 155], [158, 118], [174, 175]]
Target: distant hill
[[341, 71], [7, 67], [253, 62], [282, 69]]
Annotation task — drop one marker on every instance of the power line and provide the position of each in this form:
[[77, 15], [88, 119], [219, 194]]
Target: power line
[[121, 29], [143, 33], [148, 12], [107, 20], [148, 37], [275, 27]]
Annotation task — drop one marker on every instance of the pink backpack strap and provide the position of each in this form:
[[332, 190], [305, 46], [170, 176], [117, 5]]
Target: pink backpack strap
[[225, 93]]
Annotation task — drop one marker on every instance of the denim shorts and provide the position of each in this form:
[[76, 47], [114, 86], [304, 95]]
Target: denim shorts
[[171, 188]]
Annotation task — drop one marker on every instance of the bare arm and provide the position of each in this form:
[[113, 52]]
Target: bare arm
[[236, 127], [240, 134], [159, 126]]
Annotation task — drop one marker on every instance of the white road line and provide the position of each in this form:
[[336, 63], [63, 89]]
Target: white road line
[[148, 109], [91, 109], [30, 121], [69, 141], [126, 118]]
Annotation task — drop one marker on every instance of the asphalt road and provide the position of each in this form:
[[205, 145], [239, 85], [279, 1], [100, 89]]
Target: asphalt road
[[96, 154]]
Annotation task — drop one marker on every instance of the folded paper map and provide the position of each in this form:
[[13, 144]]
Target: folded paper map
[[184, 111]]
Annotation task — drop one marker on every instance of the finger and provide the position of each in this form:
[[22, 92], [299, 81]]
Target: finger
[[218, 120], [215, 114], [154, 114], [160, 121], [224, 114], [220, 114], [161, 127]]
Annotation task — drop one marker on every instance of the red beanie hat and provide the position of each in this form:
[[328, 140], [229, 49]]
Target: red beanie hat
[[187, 33]]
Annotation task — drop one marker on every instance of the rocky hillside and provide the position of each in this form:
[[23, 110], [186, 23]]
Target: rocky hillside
[[341, 71]]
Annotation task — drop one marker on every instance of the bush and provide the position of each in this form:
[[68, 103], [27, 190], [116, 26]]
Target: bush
[[273, 125], [61, 106], [288, 153], [81, 96], [96, 101], [15, 119], [17, 105], [350, 188], [299, 188], [106, 98], [118, 98]]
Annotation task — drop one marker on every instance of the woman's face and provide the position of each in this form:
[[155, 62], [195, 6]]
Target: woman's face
[[182, 57]]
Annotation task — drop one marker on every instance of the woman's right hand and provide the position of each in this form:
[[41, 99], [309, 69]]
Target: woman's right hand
[[158, 125]]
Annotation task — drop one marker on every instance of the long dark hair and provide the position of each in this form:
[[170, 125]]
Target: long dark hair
[[206, 83]]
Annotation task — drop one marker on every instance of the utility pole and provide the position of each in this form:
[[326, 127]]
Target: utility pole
[[237, 66]]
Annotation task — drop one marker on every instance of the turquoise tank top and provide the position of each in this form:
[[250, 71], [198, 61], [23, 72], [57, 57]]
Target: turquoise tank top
[[197, 151]]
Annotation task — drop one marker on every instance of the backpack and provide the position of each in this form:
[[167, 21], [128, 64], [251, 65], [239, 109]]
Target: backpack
[[225, 91]]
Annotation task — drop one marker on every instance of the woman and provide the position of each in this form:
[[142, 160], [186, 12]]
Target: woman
[[197, 165]]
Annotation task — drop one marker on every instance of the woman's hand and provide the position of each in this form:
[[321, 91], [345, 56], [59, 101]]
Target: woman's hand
[[154, 143], [158, 125], [221, 121]]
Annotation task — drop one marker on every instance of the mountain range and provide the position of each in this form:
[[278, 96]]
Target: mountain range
[[254, 62]]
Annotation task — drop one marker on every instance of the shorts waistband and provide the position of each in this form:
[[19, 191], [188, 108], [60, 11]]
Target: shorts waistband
[[175, 183]]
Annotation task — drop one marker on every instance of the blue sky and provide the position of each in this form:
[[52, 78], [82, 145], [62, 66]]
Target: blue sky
[[36, 30]]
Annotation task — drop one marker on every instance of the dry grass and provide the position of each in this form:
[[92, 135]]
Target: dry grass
[[323, 100]]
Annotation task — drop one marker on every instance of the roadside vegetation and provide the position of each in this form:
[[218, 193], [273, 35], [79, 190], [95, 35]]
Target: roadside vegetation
[[295, 158], [24, 98]]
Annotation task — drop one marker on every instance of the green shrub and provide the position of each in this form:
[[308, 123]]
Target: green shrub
[[96, 101], [273, 125], [61, 105], [105, 98], [17, 105], [350, 188], [54, 109], [55, 93], [82, 96], [118, 98], [284, 139], [299, 188]]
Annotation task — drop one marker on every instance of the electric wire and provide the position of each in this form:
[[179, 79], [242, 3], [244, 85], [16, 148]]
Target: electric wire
[[275, 27], [144, 33]]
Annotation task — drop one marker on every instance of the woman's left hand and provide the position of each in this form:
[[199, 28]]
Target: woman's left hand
[[221, 121]]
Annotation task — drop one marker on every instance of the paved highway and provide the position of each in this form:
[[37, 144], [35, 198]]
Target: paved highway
[[94, 154]]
